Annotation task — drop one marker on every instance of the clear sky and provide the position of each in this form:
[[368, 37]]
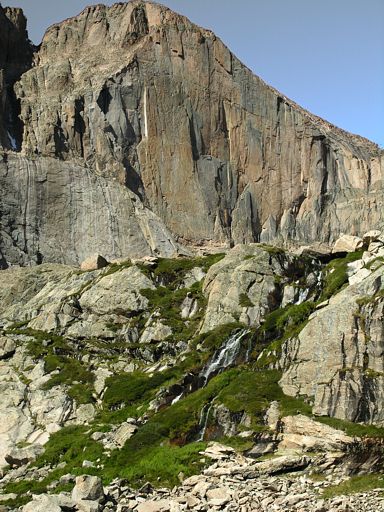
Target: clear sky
[[326, 55]]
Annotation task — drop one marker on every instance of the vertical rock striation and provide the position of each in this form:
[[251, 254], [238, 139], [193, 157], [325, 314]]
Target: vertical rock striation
[[15, 58], [145, 99]]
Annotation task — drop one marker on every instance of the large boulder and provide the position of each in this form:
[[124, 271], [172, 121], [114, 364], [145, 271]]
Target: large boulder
[[348, 243], [371, 236], [301, 432], [94, 262], [88, 488]]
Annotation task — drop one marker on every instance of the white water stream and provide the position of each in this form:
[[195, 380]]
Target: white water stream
[[225, 356]]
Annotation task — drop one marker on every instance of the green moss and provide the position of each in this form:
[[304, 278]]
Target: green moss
[[335, 275], [14, 504], [168, 303], [355, 484], [253, 391], [245, 301], [162, 464], [116, 267], [129, 389], [72, 445], [171, 271], [352, 429], [271, 249], [240, 444], [113, 327], [81, 393], [70, 371], [18, 325]]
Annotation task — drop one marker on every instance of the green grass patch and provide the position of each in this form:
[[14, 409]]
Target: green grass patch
[[170, 272], [355, 484], [72, 445], [240, 444], [245, 301], [352, 429], [116, 267], [335, 274], [285, 322], [128, 389], [58, 355], [252, 391], [162, 464]]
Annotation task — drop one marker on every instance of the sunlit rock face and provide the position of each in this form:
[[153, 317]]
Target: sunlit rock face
[[139, 109]]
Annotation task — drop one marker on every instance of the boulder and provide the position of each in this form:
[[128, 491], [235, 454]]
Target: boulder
[[153, 506], [20, 457], [374, 247], [301, 432], [371, 236], [88, 488], [48, 503], [218, 451], [85, 413], [348, 243], [94, 262], [283, 464], [88, 506], [123, 433], [7, 347], [359, 276], [155, 331]]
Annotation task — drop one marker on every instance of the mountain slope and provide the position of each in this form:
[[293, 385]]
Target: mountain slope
[[139, 96]]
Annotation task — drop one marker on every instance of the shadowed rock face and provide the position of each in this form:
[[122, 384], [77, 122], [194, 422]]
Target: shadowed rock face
[[15, 59], [142, 98]]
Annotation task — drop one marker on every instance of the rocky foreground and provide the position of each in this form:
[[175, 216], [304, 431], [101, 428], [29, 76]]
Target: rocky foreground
[[232, 483]]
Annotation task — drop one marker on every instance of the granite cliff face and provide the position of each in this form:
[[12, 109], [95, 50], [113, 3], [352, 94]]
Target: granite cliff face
[[15, 58], [137, 100]]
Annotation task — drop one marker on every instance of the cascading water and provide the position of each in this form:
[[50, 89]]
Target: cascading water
[[177, 398], [203, 422], [303, 294], [225, 356]]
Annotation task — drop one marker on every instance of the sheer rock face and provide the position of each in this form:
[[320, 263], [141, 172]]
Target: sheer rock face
[[141, 97], [61, 212], [15, 59]]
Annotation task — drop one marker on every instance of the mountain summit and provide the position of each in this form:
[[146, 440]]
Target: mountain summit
[[134, 131]]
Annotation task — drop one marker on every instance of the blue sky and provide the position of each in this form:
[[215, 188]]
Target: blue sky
[[326, 55]]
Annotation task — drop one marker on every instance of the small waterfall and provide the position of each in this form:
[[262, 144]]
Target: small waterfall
[[176, 399], [303, 294], [203, 421], [225, 356]]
